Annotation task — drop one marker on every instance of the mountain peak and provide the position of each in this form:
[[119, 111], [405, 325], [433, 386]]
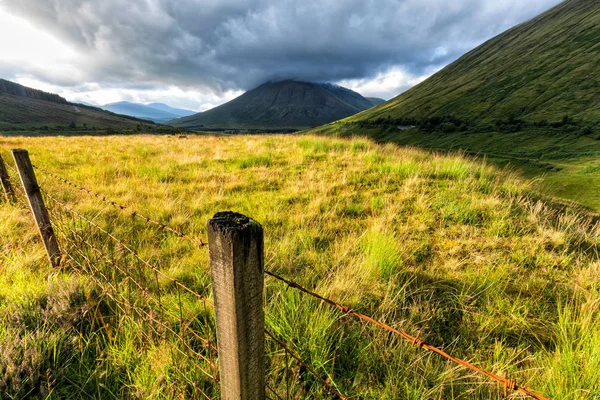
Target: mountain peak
[[286, 104]]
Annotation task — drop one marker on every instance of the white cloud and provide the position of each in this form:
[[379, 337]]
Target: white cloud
[[387, 84], [195, 54], [97, 95]]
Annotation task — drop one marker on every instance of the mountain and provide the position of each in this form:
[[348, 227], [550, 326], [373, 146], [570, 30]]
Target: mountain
[[375, 100], [11, 88], [540, 70], [26, 108], [529, 97], [177, 112], [139, 111], [284, 105]]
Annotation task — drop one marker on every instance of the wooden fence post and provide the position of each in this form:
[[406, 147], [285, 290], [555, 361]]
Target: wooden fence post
[[36, 203], [236, 250], [9, 194]]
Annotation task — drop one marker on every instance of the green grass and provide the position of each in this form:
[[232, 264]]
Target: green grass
[[561, 164], [454, 248]]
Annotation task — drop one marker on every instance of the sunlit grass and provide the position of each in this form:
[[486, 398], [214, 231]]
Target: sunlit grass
[[442, 245]]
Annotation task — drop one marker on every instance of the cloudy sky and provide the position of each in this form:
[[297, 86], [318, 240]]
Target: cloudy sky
[[199, 53]]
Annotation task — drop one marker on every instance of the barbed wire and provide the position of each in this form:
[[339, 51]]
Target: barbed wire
[[305, 365], [124, 245], [509, 384], [155, 269], [133, 213], [130, 279], [136, 310], [273, 391]]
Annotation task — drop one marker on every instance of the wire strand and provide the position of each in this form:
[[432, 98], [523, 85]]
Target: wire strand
[[133, 213], [508, 383]]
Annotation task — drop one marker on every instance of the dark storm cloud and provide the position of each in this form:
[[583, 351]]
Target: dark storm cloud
[[232, 44]]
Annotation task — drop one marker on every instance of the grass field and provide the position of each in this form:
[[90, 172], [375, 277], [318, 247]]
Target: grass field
[[453, 248], [561, 162]]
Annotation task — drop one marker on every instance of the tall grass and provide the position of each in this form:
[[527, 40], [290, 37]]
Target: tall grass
[[450, 248]]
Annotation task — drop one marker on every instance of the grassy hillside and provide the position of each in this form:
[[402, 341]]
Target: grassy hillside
[[529, 97], [540, 70], [277, 106], [452, 248], [8, 87], [23, 108], [21, 113]]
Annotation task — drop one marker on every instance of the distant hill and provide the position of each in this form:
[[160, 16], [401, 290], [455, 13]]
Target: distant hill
[[540, 70], [178, 112], [26, 108], [375, 100], [157, 113], [281, 105], [12, 88]]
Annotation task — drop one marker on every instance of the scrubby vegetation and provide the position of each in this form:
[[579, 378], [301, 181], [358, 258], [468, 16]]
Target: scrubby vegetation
[[453, 248]]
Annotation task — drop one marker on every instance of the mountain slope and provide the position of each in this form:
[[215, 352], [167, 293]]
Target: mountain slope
[[529, 97], [25, 108], [280, 105], [540, 70], [11, 88], [139, 111], [178, 112], [375, 100]]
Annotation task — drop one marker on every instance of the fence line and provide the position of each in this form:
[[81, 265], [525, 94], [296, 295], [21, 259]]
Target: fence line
[[155, 269], [415, 340], [121, 301], [149, 296], [145, 292], [161, 327], [124, 245], [123, 208]]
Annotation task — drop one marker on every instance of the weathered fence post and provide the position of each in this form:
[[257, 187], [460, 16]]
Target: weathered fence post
[[236, 251], [36, 203], [9, 194]]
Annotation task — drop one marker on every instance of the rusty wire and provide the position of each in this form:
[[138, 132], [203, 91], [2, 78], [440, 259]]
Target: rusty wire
[[123, 245], [305, 365], [123, 208], [508, 384], [149, 296], [143, 315], [140, 287], [144, 290], [273, 391]]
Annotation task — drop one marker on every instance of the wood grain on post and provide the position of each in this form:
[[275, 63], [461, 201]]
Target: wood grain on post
[[236, 251], [36, 203], [7, 189]]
